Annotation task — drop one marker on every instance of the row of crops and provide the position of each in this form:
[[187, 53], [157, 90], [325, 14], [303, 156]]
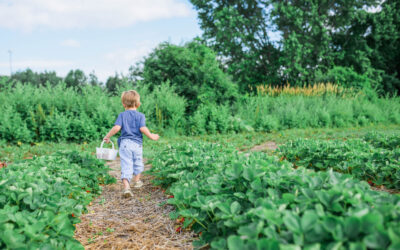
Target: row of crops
[[375, 158], [257, 201], [42, 198]]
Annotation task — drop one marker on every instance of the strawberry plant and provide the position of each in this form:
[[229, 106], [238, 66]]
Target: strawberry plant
[[379, 164], [42, 198], [258, 202]]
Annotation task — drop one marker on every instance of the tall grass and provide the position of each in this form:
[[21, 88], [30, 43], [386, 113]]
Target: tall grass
[[57, 113], [267, 113], [319, 89]]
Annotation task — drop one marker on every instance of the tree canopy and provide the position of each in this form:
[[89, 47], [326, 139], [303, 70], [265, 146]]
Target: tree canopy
[[314, 36]]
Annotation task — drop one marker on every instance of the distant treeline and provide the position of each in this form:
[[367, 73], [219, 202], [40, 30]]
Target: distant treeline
[[75, 79], [354, 44]]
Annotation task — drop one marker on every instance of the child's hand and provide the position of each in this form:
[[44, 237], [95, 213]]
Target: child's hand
[[155, 137], [106, 139]]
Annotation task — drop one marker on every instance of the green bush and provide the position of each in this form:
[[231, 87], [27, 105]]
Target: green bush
[[267, 113], [31, 114], [192, 69]]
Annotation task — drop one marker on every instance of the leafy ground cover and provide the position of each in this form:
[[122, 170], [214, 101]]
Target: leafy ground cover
[[242, 141], [259, 202], [42, 198], [374, 158]]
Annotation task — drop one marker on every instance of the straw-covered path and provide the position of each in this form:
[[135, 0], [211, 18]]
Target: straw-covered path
[[141, 222]]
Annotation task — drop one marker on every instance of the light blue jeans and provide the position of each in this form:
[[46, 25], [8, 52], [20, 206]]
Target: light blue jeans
[[131, 157]]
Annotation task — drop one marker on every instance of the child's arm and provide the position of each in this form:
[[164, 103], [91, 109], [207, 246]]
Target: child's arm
[[147, 133], [112, 132]]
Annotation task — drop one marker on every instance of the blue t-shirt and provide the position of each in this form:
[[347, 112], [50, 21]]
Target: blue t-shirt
[[131, 121]]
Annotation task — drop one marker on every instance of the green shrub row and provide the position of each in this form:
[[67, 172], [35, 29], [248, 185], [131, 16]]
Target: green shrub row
[[375, 159], [258, 202], [42, 198], [267, 113], [30, 114]]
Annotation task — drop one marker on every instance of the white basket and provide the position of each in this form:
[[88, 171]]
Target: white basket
[[106, 153]]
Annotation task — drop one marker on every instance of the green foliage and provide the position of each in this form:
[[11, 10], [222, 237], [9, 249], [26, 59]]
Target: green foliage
[[237, 30], [384, 41], [34, 78], [67, 114], [41, 199], [267, 113], [164, 109], [75, 78], [259, 202], [192, 69], [377, 165], [346, 77], [311, 37], [114, 83], [56, 113]]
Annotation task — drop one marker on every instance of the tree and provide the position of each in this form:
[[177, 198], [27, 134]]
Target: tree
[[93, 80], [113, 83], [75, 78], [238, 31], [315, 35], [192, 69], [384, 41], [36, 79]]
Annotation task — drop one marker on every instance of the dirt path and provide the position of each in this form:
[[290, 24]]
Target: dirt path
[[269, 145], [113, 222]]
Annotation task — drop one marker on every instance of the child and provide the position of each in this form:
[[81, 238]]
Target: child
[[132, 125]]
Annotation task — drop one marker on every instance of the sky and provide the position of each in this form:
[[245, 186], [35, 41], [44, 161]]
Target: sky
[[100, 36]]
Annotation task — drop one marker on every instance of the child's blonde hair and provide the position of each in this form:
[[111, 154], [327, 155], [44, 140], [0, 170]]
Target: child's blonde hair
[[130, 99]]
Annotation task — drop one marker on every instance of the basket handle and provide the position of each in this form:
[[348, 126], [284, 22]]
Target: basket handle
[[101, 146]]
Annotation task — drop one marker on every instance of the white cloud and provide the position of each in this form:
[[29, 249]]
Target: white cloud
[[128, 55], [70, 43], [30, 14]]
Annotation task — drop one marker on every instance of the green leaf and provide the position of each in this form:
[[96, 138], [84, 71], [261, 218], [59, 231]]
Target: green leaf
[[235, 243], [394, 235], [250, 230], [271, 216], [352, 227], [235, 207], [289, 247], [288, 197], [267, 244], [11, 238], [218, 244], [315, 246], [292, 222], [357, 246], [224, 207], [376, 240], [308, 220]]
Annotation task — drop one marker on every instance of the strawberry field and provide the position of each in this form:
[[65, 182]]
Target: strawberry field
[[374, 158], [321, 189], [261, 202], [42, 198]]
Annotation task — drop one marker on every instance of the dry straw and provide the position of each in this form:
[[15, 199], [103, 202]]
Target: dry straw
[[113, 222], [318, 89]]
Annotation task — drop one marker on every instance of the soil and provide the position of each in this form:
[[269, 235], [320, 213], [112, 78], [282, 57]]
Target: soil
[[141, 222], [269, 145]]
